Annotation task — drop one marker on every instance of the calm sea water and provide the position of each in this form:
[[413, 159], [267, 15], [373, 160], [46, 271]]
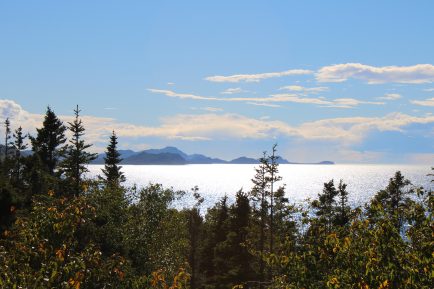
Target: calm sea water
[[302, 181]]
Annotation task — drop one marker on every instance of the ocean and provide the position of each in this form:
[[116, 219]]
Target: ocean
[[301, 181]]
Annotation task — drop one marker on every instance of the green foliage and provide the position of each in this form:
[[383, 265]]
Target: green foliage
[[76, 156], [47, 145], [112, 170]]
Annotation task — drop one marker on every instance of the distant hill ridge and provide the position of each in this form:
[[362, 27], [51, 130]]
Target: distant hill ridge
[[174, 156]]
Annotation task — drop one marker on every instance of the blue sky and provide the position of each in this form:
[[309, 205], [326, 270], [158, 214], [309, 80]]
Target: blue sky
[[349, 81]]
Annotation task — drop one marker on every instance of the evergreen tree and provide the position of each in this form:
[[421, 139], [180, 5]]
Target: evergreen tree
[[7, 138], [111, 170], [221, 252], [76, 156], [48, 141], [18, 146], [343, 210], [394, 198], [326, 204], [240, 260], [194, 230], [259, 195], [272, 169]]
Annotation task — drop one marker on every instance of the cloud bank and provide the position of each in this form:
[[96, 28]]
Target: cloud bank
[[420, 73], [256, 77]]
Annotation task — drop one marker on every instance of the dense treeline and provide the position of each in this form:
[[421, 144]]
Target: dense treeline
[[60, 230]]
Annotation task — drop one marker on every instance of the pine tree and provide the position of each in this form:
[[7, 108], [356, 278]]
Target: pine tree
[[111, 170], [194, 231], [272, 169], [343, 210], [394, 198], [259, 195], [48, 141], [326, 204], [7, 138], [18, 146], [76, 156], [240, 260]]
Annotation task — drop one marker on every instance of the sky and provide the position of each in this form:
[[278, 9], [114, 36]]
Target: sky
[[347, 81]]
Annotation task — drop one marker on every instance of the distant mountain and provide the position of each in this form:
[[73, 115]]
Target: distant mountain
[[145, 158], [190, 159], [124, 154], [170, 150], [174, 156], [244, 160], [326, 163]]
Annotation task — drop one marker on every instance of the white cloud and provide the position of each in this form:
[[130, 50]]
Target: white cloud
[[390, 96], [338, 102], [274, 98], [429, 89], [352, 102], [212, 109], [420, 73], [304, 90], [295, 98], [264, 104], [233, 90], [426, 102], [256, 77]]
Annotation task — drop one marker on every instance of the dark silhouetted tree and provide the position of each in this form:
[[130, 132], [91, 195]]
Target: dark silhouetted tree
[[7, 138], [272, 169], [48, 141], [343, 209], [112, 170], [259, 195], [326, 205], [76, 156], [18, 145], [394, 198]]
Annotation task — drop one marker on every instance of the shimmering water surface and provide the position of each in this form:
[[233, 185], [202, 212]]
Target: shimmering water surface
[[302, 181]]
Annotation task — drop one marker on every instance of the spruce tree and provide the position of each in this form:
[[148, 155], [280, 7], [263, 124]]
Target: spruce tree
[[259, 195], [394, 198], [272, 169], [18, 146], [76, 156], [343, 210], [240, 261], [7, 138], [48, 141], [111, 170], [326, 204]]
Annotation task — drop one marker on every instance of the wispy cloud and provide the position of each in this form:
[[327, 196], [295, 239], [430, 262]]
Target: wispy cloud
[[426, 102], [212, 109], [304, 90], [273, 99], [420, 73], [233, 90], [428, 89], [338, 102], [264, 104], [256, 77], [390, 96], [286, 97], [170, 93]]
